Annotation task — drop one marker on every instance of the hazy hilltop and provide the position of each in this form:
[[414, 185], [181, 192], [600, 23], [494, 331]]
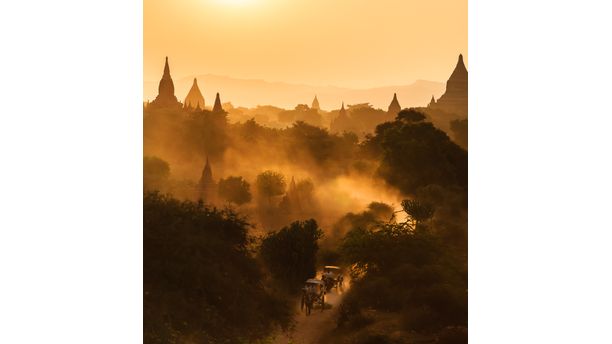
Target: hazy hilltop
[[249, 93]]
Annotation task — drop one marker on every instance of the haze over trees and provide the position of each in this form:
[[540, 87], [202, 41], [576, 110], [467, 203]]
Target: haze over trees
[[386, 199], [270, 184], [235, 190], [155, 173]]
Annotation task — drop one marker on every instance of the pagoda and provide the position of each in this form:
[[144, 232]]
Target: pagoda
[[455, 99], [206, 186], [165, 97], [194, 99], [340, 123], [315, 104], [217, 108], [394, 107]]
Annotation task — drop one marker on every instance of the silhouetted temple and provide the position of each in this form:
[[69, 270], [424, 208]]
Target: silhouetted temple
[[194, 99], [217, 107], [432, 102], [207, 187], [394, 107], [294, 196], [455, 99], [315, 104], [165, 97], [342, 122]]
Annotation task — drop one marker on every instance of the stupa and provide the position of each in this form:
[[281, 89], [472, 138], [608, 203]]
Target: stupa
[[455, 99], [217, 107], [206, 186], [394, 107], [165, 97], [315, 104], [194, 98]]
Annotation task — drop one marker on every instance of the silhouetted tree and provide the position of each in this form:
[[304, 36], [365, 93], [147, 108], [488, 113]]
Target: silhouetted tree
[[270, 184], [155, 173], [290, 253], [415, 154], [200, 282], [409, 272], [235, 190], [410, 116], [418, 212]]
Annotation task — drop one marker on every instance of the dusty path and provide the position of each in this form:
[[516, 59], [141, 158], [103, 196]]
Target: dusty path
[[308, 329]]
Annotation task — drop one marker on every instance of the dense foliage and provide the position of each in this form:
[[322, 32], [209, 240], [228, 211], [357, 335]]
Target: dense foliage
[[270, 184], [459, 127], [290, 253], [411, 272], [235, 190], [155, 173], [415, 154], [201, 284], [196, 259]]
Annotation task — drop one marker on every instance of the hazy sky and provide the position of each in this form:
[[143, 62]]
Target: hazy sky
[[350, 43]]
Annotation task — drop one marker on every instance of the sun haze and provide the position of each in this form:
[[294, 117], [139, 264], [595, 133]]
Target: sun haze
[[355, 44]]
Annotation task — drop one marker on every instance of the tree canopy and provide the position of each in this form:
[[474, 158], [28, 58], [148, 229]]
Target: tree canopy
[[200, 282], [290, 253], [415, 154], [270, 184], [235, 190], [412, 273], [155, 173]]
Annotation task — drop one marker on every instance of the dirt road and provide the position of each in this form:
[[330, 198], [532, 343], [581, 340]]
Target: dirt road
[[308, 329]]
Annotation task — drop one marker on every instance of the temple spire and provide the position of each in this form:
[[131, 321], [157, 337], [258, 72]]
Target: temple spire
[[460, 71], [166, 69], [455, 98], [342, 112], [207, 170], [315, 103], [394, 107], [217, 107], [165, 96], [194, 97], [207, 184]]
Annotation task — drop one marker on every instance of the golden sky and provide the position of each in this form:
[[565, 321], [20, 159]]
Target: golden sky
[[348, 43]]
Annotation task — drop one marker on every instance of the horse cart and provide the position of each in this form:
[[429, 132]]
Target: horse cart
[[332, 277], [313, 293]]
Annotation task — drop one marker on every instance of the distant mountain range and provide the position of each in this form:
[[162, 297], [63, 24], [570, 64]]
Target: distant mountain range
[[249, 93]]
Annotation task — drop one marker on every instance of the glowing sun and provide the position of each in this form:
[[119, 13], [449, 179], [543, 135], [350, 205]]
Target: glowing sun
[[235, 2]]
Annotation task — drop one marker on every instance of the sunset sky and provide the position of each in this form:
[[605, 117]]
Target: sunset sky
[[348, 43]]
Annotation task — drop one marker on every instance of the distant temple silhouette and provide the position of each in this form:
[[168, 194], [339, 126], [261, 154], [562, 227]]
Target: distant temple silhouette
[[315, 104], [340, 123], [165, 97], [207, 189], [293, 196], [394, 107], [194, 99], [432, 102], [217, 108], [455, 99]]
